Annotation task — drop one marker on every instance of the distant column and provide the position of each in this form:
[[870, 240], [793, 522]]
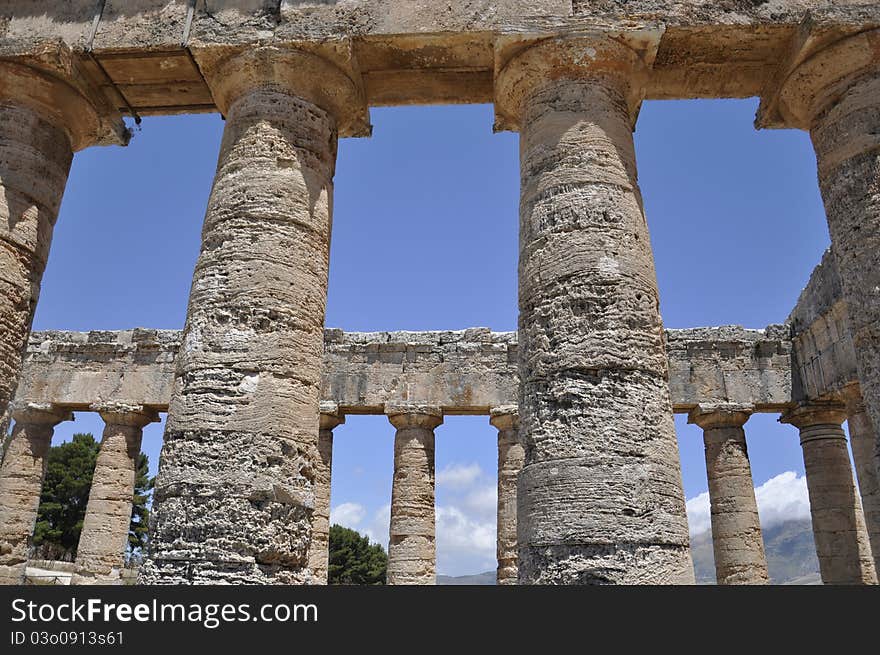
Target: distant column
[[510, 461], [411, 549], [862, 438], [21, 482], [838, 523], [100, 555], [319, 550], [736, 529]]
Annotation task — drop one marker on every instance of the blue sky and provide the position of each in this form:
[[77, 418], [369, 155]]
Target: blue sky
[[425, 237]]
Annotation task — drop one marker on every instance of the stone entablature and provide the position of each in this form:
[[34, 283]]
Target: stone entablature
[[463, 371]]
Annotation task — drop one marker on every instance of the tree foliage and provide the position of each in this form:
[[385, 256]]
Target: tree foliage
[[65, 496], [354, 560]]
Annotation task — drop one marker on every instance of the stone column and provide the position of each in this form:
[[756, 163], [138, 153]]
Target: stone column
[[838, 523], [833, 90], [412, 556], [100, 555], [45, 116], [235, 492], [736, 529], [510, 461], [600, 496], [319, 552], [21, 483], [862, 438]]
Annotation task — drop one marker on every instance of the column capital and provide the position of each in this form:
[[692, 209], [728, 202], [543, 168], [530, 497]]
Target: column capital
[[299, 73], [40, 413], [504, 417], [822, 64], [807, 415], [720, 415], [852, 398], [414, 415], [117, 413], [330, 415], [49, 79], [621, 60]]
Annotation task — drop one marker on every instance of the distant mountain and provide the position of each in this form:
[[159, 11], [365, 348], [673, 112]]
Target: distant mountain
[[487, 578], [791, 554]]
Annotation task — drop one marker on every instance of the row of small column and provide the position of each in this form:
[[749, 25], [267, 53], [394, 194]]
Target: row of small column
[[845, 536], [104, 536], [411, 544]]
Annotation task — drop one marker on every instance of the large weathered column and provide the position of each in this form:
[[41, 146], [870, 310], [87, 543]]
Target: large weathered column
[[600, 494], [736, 529], [46, 114], [319, 553], [838, 523], [100, 555], [862, 439], [235, 491], [832, 89], [510, 461], [412, 555], [21, 482]]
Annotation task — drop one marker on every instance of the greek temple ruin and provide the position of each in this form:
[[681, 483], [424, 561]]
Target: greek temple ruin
[[582, 396]]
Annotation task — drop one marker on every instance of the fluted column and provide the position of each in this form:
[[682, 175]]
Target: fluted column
[[45, 116], [21, 483], [600, 495], [100, 555], [235, 491], [833, 90], [736, 529], [862, 439], [510, 461], [412, 555], [319, 553], [838, 523]]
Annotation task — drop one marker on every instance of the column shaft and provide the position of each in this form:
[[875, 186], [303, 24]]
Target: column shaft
[[21, 483], [737, 541], [411, 548], [510, 461], [600, 494], [100, 555], [235, 492], [862, 439], [35, 158], [838, 523], [319, 550]]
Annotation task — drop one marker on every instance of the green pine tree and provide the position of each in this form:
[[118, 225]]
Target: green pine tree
[[354, 560]]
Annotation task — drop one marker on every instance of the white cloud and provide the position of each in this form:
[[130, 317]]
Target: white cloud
[[483, 502], [464, 545], [377, 530], [348, 515], [459, 476], [782, 498]]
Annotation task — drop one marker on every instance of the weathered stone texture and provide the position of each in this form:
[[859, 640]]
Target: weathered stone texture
[[21, 481], [838, 522], [234, 495], [510, 461], [736, 528], [319, 549], [600, 494], [411, 548], [100, 555], [862, 438]]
